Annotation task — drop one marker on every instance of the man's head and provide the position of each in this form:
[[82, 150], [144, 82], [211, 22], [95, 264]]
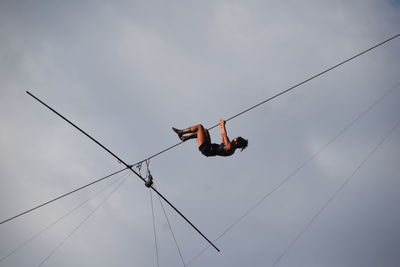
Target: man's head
[[240, 142]]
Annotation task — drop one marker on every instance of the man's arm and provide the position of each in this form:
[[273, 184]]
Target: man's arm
[[224, 135]]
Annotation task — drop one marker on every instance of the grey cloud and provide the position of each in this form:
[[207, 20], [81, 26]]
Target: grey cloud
[[127, 71]]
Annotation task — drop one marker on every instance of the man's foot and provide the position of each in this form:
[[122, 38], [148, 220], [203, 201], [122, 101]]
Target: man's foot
[[178, 132]]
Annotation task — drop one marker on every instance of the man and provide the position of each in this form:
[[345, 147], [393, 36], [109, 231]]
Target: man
[[226, 148]]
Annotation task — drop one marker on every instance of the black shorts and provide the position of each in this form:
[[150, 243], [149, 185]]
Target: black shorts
[[209, 150]]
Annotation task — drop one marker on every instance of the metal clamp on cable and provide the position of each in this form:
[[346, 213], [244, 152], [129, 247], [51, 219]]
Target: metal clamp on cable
[[149, 177], [149, 181]]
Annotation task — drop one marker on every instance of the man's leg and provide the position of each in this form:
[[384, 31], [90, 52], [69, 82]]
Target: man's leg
[[208, 138], [195, 131], [188, 136]]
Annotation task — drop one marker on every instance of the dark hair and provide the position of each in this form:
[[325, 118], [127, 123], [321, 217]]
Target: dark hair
[[241, 143]]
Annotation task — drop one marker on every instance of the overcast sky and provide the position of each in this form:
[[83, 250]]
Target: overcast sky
[[126, 71]]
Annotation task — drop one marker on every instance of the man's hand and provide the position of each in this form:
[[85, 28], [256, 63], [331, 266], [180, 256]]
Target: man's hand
[[224, 135]]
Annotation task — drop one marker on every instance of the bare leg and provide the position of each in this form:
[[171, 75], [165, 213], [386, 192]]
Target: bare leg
[[188, 136], [196, 131], [208, 138]]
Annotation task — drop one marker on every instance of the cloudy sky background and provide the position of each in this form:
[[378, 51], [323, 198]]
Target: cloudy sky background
[[126, 71]]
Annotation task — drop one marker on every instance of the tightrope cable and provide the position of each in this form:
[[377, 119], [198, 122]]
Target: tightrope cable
[[336, 193], [230, 118], [58, 220], [234, 116], [82, 222], [62, 196], [285, 91], [130, 167], [172, 232], [301, 166], [154, 228]]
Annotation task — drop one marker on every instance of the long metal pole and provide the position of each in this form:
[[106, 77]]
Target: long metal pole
[[127, 165]]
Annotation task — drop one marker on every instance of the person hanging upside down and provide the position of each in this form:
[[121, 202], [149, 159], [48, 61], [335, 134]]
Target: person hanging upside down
[[226, 148]]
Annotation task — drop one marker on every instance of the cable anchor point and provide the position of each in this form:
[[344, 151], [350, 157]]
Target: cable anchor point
[[149, 181], [149, 177]]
